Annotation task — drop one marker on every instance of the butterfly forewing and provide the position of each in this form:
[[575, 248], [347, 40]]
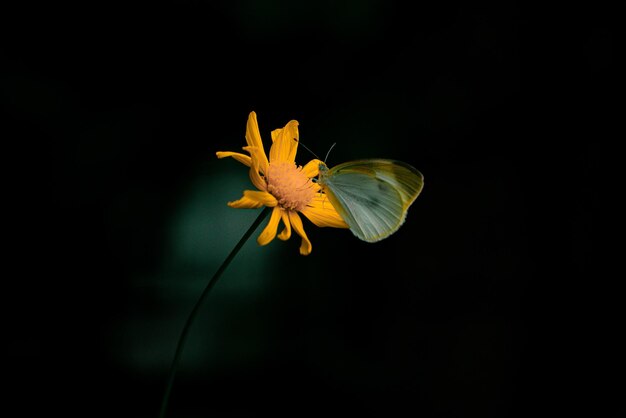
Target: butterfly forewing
[[372, 196], [403, 177]]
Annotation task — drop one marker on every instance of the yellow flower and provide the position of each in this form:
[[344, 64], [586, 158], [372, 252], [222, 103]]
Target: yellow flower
[[283, 185]]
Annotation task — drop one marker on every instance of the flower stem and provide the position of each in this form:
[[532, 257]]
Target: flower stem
[[194, 312]]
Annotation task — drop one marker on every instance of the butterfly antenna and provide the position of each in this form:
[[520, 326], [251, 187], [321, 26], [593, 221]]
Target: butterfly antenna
[[307, 148], [329, 150]]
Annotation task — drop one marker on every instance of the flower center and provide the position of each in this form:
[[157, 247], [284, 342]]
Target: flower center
[[289, 185]]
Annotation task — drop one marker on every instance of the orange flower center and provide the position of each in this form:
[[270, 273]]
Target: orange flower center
[[289, 185]]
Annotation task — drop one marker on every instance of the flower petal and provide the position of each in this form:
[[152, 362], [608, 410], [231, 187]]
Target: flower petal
[[322, 213], [312, 168], [253, 138], [269, 233], [285, 143], [255, 177], [286, 233], [258, 155], [254, 199], [242, 158], [296, 223]]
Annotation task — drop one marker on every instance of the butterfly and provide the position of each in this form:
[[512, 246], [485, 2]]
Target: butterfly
[[372, 195]]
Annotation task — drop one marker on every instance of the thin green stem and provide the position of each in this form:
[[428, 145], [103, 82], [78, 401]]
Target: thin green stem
[[194, 312]]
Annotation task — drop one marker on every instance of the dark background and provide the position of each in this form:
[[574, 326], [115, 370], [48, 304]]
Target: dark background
[[495, 299]]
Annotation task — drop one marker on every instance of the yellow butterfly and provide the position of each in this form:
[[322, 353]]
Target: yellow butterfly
[[373, 195]]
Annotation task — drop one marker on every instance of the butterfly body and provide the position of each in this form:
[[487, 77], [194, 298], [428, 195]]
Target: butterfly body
[[372, 195]]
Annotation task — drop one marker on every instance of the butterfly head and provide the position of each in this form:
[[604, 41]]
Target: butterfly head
[[323, 170]]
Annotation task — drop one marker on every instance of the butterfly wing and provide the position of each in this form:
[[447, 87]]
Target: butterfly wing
[[373, 196]]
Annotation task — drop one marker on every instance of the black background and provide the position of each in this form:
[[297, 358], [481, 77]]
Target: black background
[[495, 299]]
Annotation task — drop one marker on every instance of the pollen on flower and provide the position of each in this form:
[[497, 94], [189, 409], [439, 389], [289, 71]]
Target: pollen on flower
[[289, 185]]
